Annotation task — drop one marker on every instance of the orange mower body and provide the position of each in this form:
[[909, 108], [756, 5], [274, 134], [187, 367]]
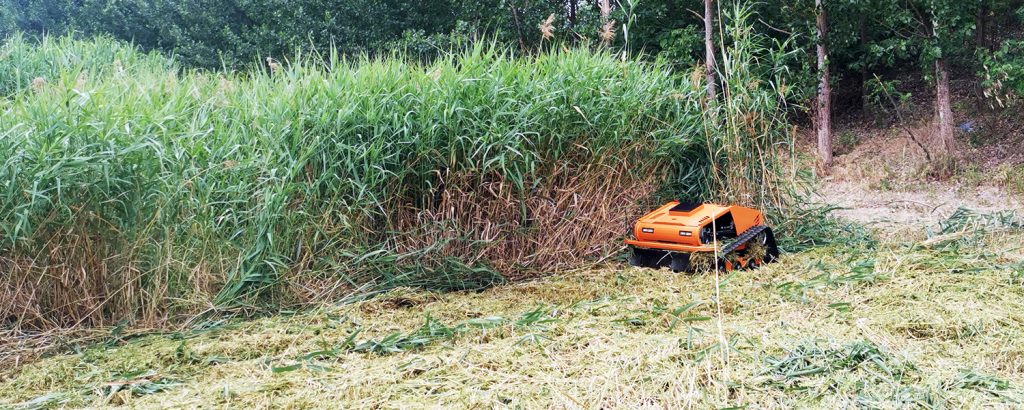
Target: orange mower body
[[689, 237]]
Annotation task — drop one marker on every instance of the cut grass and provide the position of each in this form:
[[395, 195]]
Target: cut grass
[[919, 334]]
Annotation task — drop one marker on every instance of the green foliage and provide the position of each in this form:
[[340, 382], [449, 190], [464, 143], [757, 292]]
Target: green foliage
[[8, 21], [1003, 73], [235, 187], [67, 62], [430, 46], [884, 99], [682, 47], [865, 36], [747, 125], [947, 28], [209, 33], [881, 94]]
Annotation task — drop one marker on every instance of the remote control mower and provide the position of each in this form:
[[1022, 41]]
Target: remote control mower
[[695, 237]]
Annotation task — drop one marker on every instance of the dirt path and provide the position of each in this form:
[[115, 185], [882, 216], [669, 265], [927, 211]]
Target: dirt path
[[883, 181], [924, 206]]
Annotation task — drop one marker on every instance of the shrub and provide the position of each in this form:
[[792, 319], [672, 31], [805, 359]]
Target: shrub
[[1003, 73]]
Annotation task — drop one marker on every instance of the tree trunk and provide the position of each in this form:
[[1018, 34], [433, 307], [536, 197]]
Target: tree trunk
[[519, 27], [865, 73], [709, 48], [824, 101], [980, 37], [943, 110]]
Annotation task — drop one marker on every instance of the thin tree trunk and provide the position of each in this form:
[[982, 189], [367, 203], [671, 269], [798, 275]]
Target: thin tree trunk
[[709, 48], [824, 106], [519, 27], [981, 42], [944, 110], [943, 142], [865, 73], [980, 37]]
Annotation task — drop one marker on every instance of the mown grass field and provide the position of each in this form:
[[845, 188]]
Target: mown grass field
[[921, 317]]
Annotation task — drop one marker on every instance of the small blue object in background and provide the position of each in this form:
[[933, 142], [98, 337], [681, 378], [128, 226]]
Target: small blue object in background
[[968, 126]]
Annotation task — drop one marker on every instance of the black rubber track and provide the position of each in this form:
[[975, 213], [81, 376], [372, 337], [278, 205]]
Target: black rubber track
[[680, 261], [773, 247]]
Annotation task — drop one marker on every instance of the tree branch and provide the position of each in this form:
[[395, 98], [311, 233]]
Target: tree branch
[[903, 124]]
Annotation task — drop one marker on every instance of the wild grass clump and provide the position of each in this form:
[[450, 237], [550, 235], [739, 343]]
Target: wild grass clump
[[809, 359], [746, 129], [143, 191], [34, 64], [136, 190]]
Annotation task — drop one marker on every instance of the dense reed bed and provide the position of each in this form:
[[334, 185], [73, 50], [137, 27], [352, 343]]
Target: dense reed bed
[[134, 189]]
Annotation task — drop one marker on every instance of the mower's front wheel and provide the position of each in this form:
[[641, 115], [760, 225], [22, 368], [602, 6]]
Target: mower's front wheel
[[680, 262], [644, 258]]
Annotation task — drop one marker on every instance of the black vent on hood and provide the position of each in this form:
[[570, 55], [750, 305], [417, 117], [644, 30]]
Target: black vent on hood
[[685, 206]]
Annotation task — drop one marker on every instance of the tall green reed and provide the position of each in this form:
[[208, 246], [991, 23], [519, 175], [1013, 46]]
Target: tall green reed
[[745, 130], [144, 190], [67, 61], [133, 189]]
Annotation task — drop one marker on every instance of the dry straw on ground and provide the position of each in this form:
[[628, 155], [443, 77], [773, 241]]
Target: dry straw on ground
[[897, 325]]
